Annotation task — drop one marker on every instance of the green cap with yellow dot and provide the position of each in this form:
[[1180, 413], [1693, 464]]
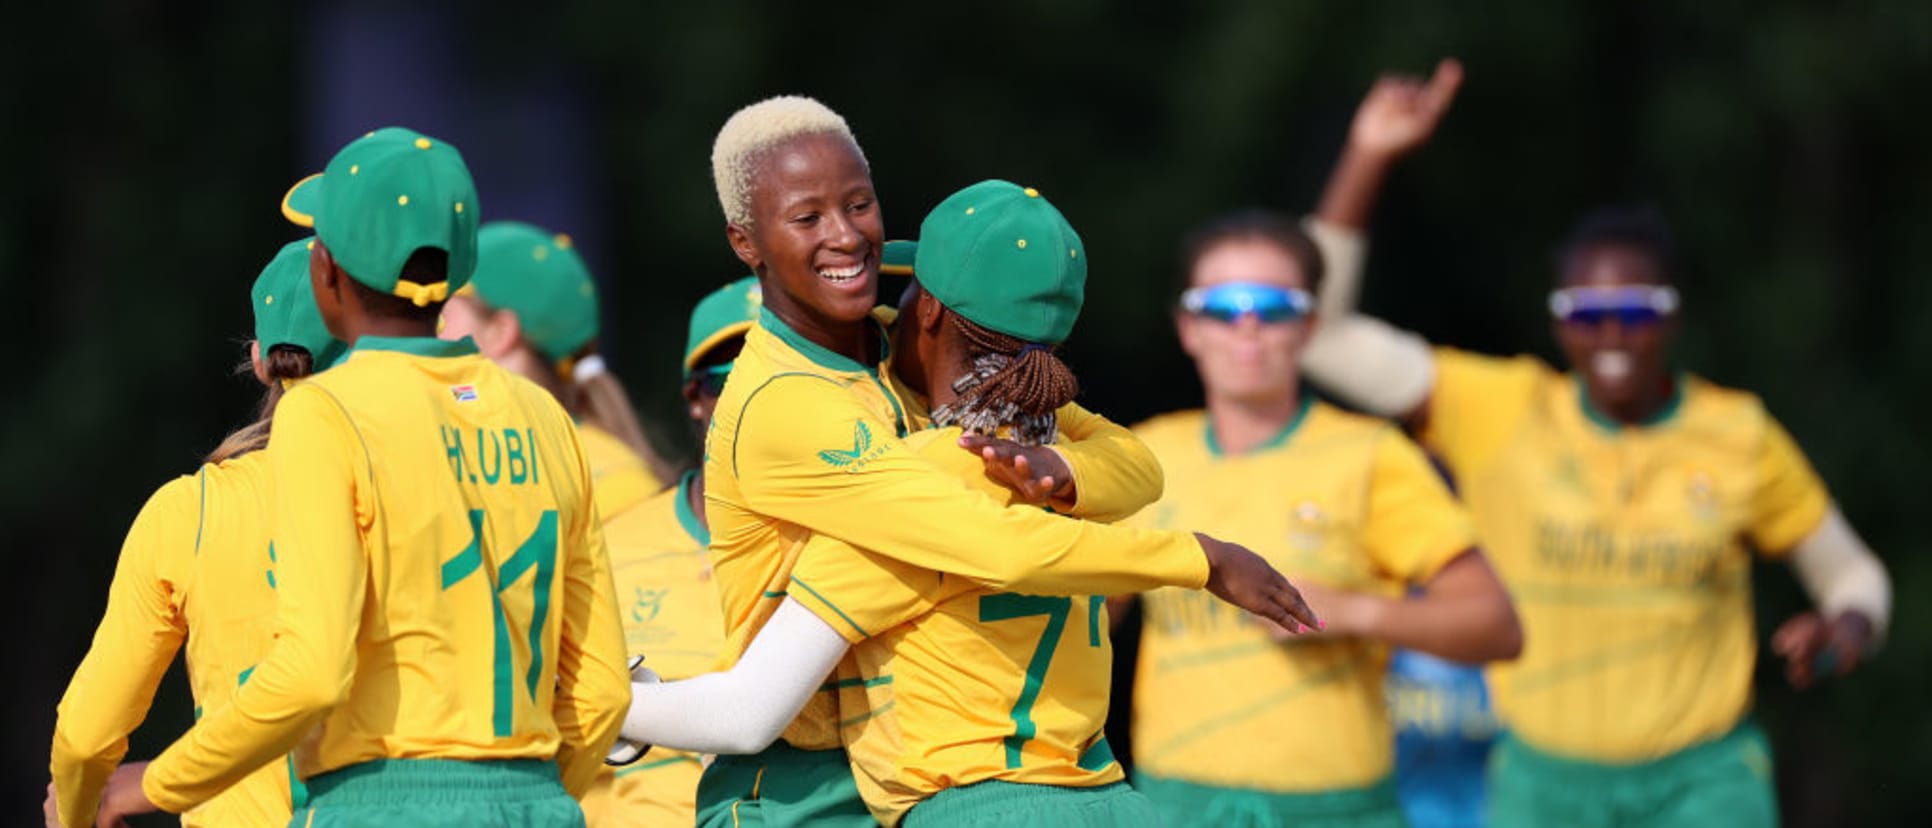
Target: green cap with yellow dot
[[1004, 258], [285, 311], [383, 197], [538, 274], [725, 313]]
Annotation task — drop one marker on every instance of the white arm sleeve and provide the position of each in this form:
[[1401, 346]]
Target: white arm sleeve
[[1365, 361], [1841, 574], [744, 709]]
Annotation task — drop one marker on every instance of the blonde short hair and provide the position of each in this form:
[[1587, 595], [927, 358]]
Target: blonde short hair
[[757, 128]]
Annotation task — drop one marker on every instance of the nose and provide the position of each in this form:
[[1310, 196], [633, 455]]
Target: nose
[[1248, 324], [844, 234], [1610, 333]]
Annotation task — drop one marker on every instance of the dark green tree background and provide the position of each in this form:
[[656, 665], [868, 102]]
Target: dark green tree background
[[145, 143]]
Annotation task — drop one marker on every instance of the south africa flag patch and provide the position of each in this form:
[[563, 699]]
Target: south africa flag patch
[[463, 393]]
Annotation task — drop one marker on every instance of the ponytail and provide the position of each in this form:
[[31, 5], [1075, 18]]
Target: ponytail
[[284, 364], [595, 396], [1012, 384]]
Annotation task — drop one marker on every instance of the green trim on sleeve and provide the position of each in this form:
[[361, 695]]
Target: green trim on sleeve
[[834, 607], [687, 518]]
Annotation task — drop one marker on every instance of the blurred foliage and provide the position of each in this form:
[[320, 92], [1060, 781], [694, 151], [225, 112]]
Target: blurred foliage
[[147, 143]]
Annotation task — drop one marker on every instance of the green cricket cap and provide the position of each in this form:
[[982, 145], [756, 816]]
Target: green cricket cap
[[897, 258], [538, 274], [384, 196], [725, 313], [285, 311], [1003, 257]]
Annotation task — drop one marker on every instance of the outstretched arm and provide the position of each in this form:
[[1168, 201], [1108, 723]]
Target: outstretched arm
[[744, 709], [1853, 594], [1463, 614]]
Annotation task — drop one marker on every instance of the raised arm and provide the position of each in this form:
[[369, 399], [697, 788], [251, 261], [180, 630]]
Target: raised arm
[[111, 691], [1365, 360]]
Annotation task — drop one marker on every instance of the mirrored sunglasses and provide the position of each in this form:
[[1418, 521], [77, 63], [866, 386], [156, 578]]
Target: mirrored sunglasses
[[1632, 306], [711, 381], [1230, 301]]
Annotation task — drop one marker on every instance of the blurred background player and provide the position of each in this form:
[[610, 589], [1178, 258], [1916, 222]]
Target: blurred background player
[[447, 651], [532, 308], [660, 559], [808, 438], [937, 654], [1620, 503], [197, 566], [1232, 727]]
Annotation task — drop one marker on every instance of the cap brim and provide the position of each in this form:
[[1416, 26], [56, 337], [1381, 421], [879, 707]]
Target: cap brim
[[897, 258], [717, 337], [302, 200]]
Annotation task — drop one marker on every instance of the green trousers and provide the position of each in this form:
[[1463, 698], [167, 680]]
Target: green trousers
[[1725, 781], [440, 793], [782, 787], [988, 804], [1188, 804]]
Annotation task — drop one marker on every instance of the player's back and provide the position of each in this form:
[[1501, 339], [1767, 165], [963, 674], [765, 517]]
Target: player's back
[[472, 476]]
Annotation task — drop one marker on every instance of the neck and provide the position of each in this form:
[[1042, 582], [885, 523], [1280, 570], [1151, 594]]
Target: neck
[[696, 498], [531, 366], [1241, 425], [939, 381], [1641, 407], [857, 341], [387, 326]]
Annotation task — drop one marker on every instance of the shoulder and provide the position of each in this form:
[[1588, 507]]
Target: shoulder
[[1165, 431], [1726, 418]]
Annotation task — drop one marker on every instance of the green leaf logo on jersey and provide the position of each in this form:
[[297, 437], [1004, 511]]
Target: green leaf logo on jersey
[[861, 443]]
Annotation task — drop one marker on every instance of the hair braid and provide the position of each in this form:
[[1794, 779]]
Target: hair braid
[[1012, 384]]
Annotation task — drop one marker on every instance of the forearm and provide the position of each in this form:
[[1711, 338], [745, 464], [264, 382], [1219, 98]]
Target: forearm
[[1114, 473], [268, 718], [1463, 614], [593, 684], [1841, 574], [1349, 198], [744, 709]]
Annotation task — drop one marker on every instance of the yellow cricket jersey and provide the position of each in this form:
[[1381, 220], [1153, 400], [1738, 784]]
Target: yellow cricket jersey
[[805, 440], [618, 477], [442, 586], [959, 684], [1624, 549], [1342, 500], [669, 606], [197, 564]]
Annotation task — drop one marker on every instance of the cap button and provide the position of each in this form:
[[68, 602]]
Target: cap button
[[422, 143], [402, 201], [270, 300], [1032, 193], [1022, 244], [562, 240]]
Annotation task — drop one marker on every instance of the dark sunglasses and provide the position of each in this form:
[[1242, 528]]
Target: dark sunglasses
[[1633, 306], [711, 381], [1230, 301]]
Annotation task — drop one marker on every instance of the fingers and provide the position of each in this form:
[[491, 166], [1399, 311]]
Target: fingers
[[1297, 608], [1442, 86]]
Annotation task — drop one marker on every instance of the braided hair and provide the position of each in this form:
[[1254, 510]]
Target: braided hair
[[1011, 384]]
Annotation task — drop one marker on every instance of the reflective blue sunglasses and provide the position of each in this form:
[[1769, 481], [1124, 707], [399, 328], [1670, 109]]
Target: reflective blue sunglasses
[[1232, 300], [1633, 306], [711, 381]]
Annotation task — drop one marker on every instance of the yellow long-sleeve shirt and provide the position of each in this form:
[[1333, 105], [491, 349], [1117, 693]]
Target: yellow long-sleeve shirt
[[806, 441], [443, 590], [196, 565], [959, 684], [1625, 549]]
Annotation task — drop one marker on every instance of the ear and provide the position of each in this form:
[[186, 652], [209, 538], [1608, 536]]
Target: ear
[[691, 396], [1189, 331], [931, 312], [500, 332], [323, 274], [741, 244], [255, 360]]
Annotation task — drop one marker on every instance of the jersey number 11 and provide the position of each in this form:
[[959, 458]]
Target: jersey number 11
[[539, 552]]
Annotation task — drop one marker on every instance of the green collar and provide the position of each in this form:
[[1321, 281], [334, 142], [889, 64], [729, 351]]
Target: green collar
[[1607, 423], [423, 346], [1280, 438], [819, 354], [686, 518]]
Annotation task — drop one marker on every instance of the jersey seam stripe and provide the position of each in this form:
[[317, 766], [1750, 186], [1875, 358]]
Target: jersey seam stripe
[[738, 427], [876, 681], [201, 514], [655, 765], [869, 715], [367, 462], [832, 606]]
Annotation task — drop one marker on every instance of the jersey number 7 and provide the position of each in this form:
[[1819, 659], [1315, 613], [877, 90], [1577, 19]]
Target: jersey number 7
[[1007, 606], [539, 552]]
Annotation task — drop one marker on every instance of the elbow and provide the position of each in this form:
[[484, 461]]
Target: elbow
[[1504, 636]]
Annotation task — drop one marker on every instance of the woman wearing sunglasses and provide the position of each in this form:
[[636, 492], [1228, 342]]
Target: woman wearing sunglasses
[[1621, 502], [1234, 725]]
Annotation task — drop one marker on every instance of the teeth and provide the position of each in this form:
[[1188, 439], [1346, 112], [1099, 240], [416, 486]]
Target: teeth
[[841, 274], [1613, 365]]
